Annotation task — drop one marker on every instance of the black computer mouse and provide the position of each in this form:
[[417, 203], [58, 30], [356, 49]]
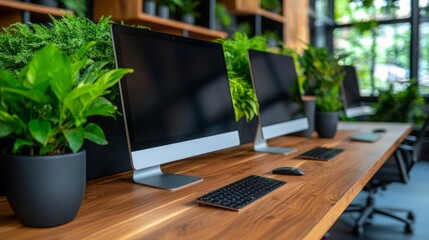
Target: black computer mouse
[[288, 171], [379, 130]]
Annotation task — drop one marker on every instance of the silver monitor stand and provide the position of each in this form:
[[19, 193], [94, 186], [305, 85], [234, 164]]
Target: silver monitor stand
[[155, 177], [260, 144]]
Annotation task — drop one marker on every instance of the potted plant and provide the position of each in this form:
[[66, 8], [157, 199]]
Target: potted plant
[[45, 111], [323, 78], [19, 42], [186, 9], [243, 97], [149, 7]]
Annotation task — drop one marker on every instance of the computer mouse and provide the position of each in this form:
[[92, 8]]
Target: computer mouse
[[379, 130], [288, 171]]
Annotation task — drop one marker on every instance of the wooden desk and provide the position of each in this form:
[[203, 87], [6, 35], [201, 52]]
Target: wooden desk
[[305, 208]]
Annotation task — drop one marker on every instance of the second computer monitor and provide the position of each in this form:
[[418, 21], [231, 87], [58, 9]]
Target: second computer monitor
[[281, 109], [352, 100]]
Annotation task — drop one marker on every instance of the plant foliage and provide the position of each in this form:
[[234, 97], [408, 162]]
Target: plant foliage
[[323, 77], [403, 106], [19, 42], [77, 6], [45, 109], [187, 7], [272, 5], [222, 15], [237, 63]]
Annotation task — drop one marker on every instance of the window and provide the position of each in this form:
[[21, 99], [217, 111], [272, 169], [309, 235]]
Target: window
[[377, 37]]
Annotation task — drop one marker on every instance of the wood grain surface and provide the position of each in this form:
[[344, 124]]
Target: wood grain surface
[[304, 208]]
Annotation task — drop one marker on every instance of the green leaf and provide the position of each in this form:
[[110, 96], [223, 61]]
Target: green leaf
[[81, 98], [19, 143], [4, 130], [94, 71], [111, 77], [49, 64], [7, 79], [40, 129], [14, 123], [32, 94], [74, 138], [95, 134], [102, 107], [83, 49], [48, 148]]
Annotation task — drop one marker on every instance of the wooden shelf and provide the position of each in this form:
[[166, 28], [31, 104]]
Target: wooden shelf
[[12, 11], [130, 12], [251, 7]]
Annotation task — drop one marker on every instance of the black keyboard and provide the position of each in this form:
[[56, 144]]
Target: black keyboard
[[241, 193], [321, 153]]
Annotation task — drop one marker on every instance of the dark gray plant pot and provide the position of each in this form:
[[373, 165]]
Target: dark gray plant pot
[[247, 130], [326, 124], [310, 113], [188, 18], [44, 191], [164, 11], [149, 7]]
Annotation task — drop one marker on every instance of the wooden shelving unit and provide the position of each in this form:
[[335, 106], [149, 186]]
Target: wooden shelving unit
[[294, 19], [251, 7], [130, 12], [14, 11]]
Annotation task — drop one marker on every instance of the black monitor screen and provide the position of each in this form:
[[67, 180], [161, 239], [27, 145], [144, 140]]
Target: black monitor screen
[[179, 89], [275, 82], [351, 87]]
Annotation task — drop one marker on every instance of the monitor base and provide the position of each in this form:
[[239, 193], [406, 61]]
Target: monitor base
[[277, 150], [155, 177]]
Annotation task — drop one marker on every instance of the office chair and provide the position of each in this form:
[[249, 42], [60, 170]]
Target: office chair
[[352, 100], [396, 169]]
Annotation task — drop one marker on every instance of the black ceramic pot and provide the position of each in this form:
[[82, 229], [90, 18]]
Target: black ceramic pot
[[326, 124], [149, 7], [44, 191]]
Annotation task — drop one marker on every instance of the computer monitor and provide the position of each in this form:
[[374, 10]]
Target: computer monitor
[[281, 110], [177, 103], [352, 100]]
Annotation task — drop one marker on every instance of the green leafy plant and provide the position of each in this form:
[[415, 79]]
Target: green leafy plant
[[77, 6], [19, 42], [46, 108], [402, 106], [272, 5], [323, 78], [187, 7], [237, 62]]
